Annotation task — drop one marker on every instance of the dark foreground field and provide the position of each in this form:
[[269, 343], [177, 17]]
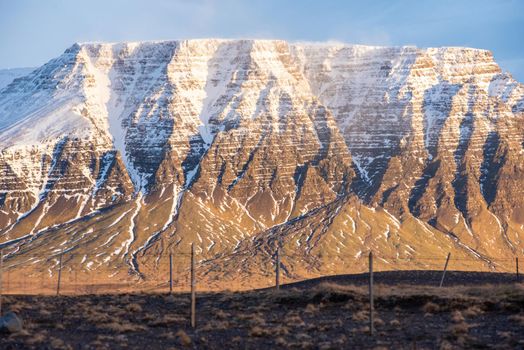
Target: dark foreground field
[[318, 314]]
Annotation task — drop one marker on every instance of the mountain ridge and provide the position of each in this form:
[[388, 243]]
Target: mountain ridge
[[227, 143]]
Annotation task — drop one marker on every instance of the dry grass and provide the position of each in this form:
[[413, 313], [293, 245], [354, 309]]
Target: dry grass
[[360, 316], [293, 319], [281, 330], [280, 341], [168, 335], [394, 323], [519, 318], [378, 322], [45, 313], [457, 317], [215, 325], [236, 339], [484, 291], [430, 308], [363, 329], [183, 338], [311, 309], [339, 288], [95, 316], [122, 327], [98, 344], [22, 333], [458, 329], [257, 319], [446, 345], [134, 308], [57, 343], [38, 338], [258, 331], [253, 319], [318, 317], [17, 306], [472, 311], [164, 321], [220, 314], [303, 337]]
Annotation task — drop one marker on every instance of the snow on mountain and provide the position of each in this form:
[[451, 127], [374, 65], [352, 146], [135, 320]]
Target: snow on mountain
[[8, 75], [125, 150]]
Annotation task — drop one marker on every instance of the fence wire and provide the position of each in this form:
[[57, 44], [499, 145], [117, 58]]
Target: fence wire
[[156, 276]]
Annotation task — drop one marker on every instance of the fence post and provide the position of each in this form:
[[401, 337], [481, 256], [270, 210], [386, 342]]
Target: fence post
[[170, 273], [59, 273], [517, 267], [445, 269], [277, 270], [371, 302], [193, 285], [1, 278]]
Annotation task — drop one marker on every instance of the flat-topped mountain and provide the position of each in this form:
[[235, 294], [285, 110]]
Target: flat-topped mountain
[[120, 153]]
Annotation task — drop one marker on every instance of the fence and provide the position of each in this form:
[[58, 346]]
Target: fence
[[172, 273], [63, 284]]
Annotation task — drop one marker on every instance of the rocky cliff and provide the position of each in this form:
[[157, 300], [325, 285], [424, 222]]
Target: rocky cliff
[[120, 153]]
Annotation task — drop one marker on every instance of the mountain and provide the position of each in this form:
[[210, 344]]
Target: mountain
[[8, 75], [121, 153]]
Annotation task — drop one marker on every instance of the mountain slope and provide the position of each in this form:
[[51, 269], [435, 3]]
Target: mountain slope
[[120, 153], [8, 75]]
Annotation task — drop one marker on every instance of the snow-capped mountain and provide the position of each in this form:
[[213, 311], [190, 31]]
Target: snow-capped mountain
[[119, 153], [8, 75]]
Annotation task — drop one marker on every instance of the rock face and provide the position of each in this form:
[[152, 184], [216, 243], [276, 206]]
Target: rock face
[[121, 153]]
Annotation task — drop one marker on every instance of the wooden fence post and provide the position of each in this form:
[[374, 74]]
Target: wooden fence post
[[193, 285], [277, 270], [1, 276], [371, 302], [445, 269], [170, 273], [59, 273]]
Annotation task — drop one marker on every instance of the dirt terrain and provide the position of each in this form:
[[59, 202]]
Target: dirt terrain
[[330, 313]]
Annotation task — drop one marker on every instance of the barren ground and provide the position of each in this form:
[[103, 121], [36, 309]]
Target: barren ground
[[327, 313]]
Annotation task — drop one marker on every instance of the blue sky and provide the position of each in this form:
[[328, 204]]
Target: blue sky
[[33, 31]]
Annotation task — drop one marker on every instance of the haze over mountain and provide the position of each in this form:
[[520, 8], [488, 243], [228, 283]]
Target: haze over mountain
[[120, 153]]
